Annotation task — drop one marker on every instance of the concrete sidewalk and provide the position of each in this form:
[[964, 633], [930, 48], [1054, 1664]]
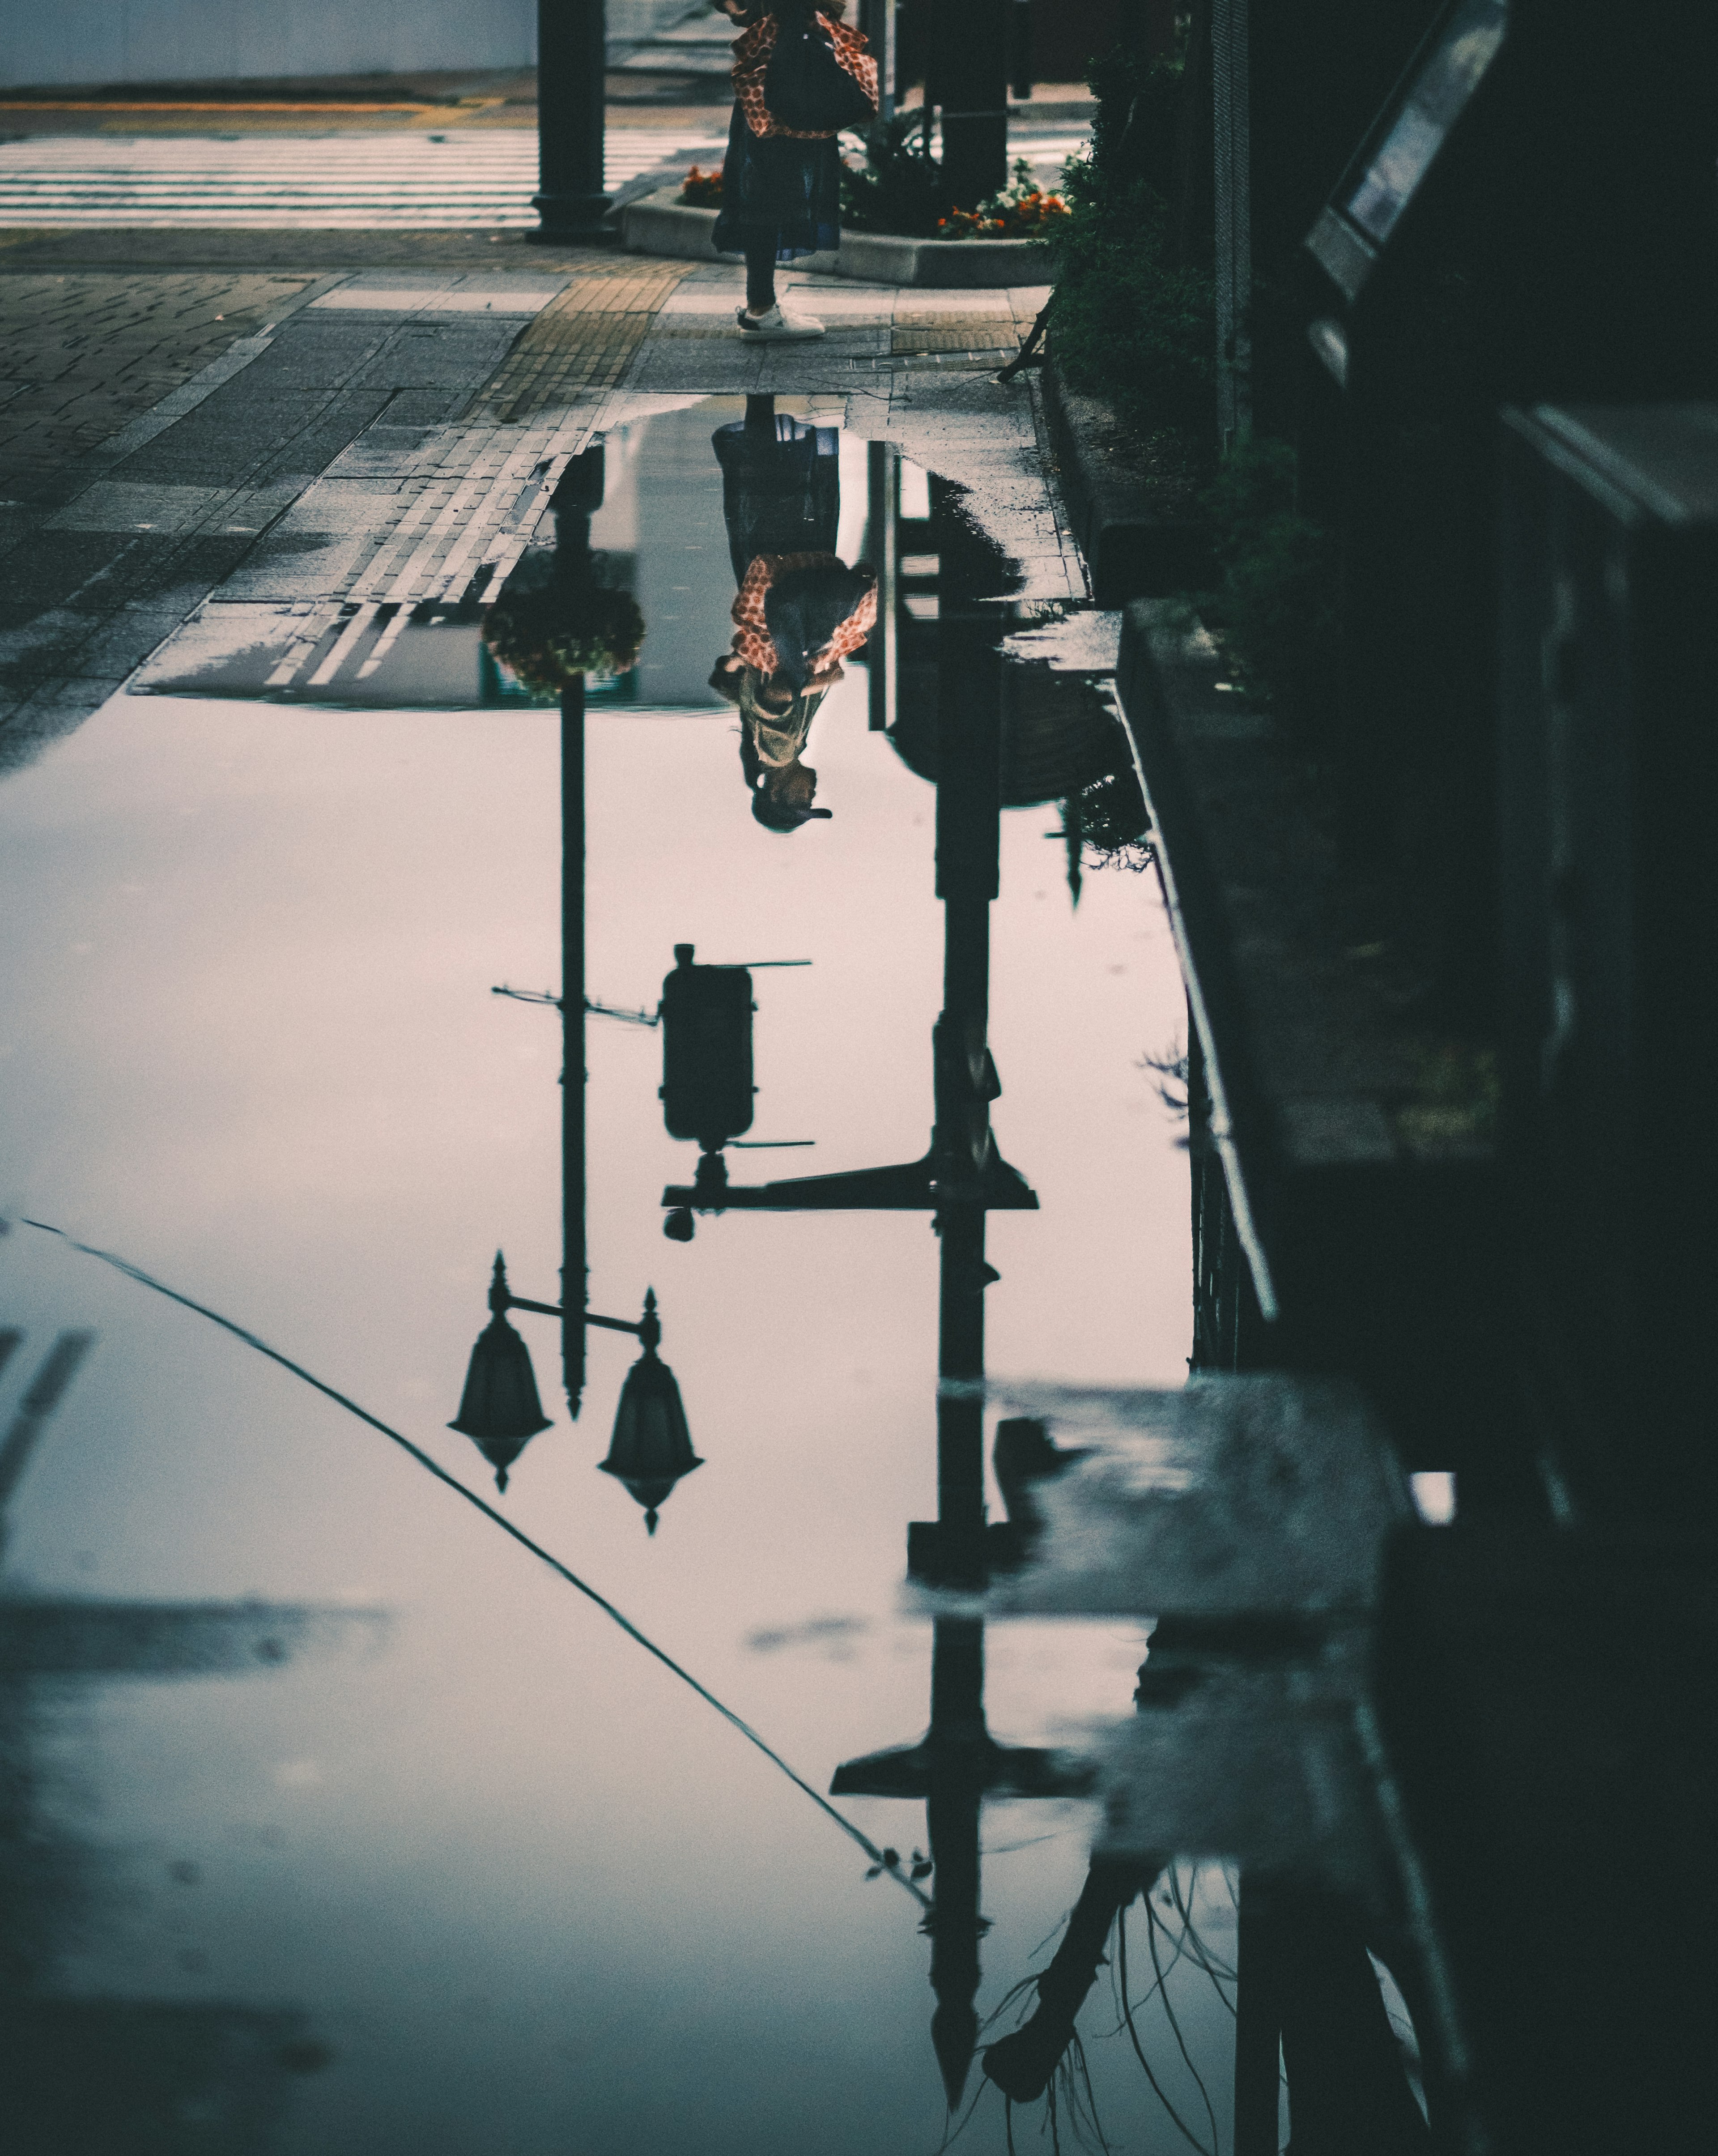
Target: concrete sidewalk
[[318, 420]]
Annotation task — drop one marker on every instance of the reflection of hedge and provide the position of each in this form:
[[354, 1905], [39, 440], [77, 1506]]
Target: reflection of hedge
[[547, 626]]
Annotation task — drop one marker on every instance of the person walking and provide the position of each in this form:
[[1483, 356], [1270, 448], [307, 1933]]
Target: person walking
[[782, 182]]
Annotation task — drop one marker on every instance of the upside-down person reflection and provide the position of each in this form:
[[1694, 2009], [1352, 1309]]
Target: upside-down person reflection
[[799, 610]]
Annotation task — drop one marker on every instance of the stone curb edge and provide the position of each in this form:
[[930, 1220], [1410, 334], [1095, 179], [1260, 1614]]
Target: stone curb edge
[[659, 224]]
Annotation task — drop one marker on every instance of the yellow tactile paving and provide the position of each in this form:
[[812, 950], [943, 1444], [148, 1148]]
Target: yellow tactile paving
[[582, 339]]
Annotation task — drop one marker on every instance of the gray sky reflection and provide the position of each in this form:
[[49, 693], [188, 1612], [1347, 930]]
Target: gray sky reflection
[[526, 1888]]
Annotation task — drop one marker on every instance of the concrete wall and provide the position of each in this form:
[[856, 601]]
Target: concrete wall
[[67, 42]]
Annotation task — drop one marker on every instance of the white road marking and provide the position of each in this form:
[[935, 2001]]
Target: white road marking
[[406, 180]]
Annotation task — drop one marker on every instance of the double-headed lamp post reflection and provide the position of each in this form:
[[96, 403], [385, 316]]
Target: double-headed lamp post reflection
[[500, 1411]]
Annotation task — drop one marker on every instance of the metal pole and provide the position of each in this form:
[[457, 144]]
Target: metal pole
[[882, 510], [574, 1268], [953, 1804], [968, 854], [571, 36], [971, 79], [876, 21], [1258, 2026]]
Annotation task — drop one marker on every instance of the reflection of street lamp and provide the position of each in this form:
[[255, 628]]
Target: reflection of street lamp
[[500, 1412], [652, 1448]]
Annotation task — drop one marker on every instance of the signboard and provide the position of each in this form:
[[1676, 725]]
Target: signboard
[[1404, 144]]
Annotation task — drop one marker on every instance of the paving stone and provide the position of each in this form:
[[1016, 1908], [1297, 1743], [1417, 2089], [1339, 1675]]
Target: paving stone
[[119, 506], [363, 456], [422, 408], [90, 350], [345, 504], [192, 250], [438, 355], [55, 568], [122, 644], [310, 451], [585, 339], [297, 565], [230, 435]]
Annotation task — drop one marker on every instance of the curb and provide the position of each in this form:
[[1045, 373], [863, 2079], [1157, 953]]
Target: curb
[[659, 224], [1132, 550]]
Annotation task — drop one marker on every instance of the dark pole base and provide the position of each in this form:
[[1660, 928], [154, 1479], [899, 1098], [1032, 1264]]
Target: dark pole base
[[573, 216]]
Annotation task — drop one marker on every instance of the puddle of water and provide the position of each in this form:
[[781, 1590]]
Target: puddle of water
[[487, 1871]]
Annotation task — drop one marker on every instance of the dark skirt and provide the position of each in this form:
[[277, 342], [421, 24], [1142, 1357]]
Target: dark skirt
[[779, 189], [781, 489]]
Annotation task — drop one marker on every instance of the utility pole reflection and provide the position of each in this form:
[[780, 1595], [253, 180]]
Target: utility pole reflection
[[958, 1764]]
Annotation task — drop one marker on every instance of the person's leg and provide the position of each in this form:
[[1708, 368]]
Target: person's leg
[[760, 275]]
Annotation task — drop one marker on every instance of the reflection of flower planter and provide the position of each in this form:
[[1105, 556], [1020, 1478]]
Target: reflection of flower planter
[[662, 224], [554, 621]]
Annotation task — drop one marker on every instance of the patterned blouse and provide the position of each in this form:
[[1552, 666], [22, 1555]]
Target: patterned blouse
[[752, 641], [752, 61]]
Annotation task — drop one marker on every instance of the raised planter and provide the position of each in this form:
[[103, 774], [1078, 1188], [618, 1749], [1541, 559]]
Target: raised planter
[[1349, 1132], [662, 224], [1133, 547]]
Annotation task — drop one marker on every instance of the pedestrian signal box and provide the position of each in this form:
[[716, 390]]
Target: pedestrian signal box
[[706, 1052]]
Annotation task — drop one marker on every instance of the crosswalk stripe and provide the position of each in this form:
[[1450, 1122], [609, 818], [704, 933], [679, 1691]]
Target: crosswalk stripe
[[332, 180], [264, 180]]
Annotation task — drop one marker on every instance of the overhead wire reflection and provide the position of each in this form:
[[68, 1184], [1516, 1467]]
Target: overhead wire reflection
[[886, 1860]]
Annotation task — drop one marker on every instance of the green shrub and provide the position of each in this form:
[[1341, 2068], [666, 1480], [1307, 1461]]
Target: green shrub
[[1129, 324], [900, 187], [1135, 128], [1131, 321], [1277, 609]]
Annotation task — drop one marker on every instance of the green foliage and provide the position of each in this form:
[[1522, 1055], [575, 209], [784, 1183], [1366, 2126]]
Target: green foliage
[[1130, 323], [900, 187], [1134, 131], [1133, 322], [1277, 609]]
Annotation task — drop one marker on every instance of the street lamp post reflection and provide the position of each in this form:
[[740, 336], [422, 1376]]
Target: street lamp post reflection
[[500, 1410], [551, 635]]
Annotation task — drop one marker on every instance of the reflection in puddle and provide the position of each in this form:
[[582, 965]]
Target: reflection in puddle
[[823, 630]]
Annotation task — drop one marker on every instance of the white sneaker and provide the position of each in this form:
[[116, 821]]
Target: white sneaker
[[777, 326]]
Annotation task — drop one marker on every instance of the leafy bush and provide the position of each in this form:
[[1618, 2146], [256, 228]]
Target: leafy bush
[[900, 187], [1277, 608], [1132, 320], [1136, 128], [1127, 322]]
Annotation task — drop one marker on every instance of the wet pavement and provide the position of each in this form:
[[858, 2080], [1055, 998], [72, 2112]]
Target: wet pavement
[[337, 1819]]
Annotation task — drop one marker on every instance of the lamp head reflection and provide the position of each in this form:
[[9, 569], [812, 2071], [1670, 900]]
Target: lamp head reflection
[[500, 1412], [500, 1409], [652, 1447]]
